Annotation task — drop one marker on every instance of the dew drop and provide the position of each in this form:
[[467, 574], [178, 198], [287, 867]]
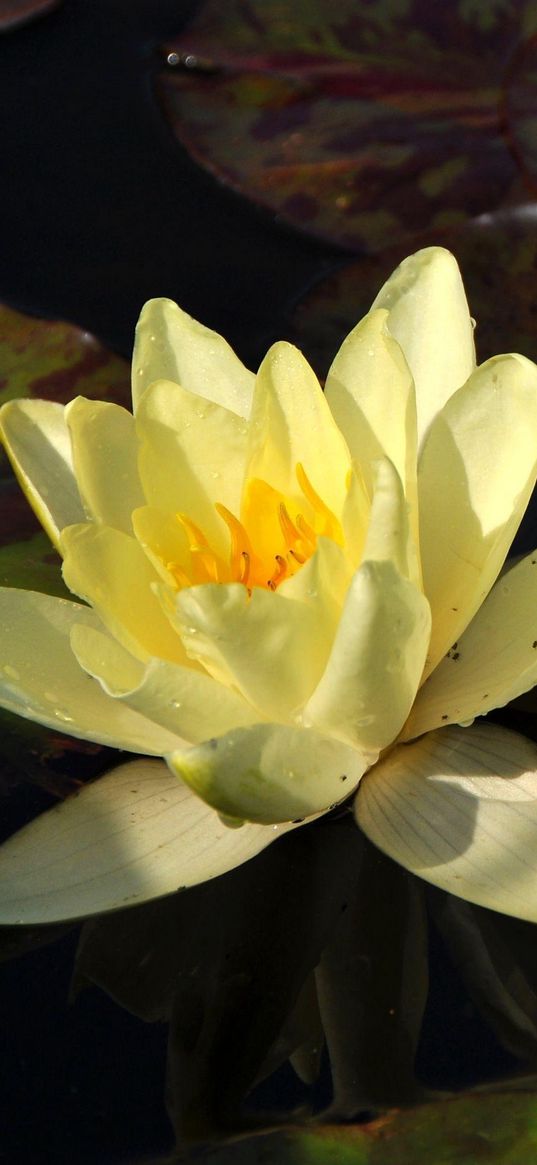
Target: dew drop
[[62, 715]]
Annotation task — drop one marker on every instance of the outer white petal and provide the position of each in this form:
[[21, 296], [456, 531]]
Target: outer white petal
[[268, 647], [41, 679], [374, 669], [475, 477], [429, 318], [170, 345], [37, 441], [184, 700], [270, 772], [105, 458], [135, 834], [493, 662], [459, 808], [291, 423]]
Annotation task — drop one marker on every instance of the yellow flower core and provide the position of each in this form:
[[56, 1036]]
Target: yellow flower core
[[270, 542]]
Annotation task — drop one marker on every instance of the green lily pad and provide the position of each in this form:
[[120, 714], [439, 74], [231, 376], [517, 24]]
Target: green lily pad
[[500, 1129], [362, 124]]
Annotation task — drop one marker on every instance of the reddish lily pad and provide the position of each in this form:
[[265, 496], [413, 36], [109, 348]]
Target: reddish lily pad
[[55, 360], [13, 13], [363, 124]]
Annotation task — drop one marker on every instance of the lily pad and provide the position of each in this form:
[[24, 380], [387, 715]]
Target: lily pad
[[500, 1129], [13, 13], [362, 124], [55, 360]]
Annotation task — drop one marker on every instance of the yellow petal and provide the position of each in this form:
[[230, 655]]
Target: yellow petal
[[371, 394], [185, 701], [133, 835], [374, 669], [192, 454], [111, 572], [475, 478], [494, 661], [105, 453], [41, 679], [37, 442], [429, 318], [170, 345], [459, 808], [270, 772], [291, 424], [270, 648], [163, 539], [389, 538]]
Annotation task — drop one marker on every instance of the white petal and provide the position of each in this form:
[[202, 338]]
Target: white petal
[[133, 835], [267, 646], [186, 701], [37, 441], [494, 661], [459, 808], [270, 772], [475, 478], [105, 455], [429, 318], [170, 345], [41, 679], [291, 424], [371, 677]]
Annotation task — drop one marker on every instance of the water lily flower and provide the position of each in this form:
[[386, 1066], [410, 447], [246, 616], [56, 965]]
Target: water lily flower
[[290, 595]]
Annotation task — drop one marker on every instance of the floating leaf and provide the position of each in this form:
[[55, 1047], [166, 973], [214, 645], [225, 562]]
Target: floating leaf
[[362, 124], [499, 1129], [13, 13], [55, 360]]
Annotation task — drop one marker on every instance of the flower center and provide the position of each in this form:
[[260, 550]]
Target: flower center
[[273, 538]]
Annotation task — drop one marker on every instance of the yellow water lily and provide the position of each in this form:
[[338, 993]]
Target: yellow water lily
[[287, 594]]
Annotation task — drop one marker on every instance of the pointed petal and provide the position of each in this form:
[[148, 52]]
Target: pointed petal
[[38, 445], [41, 679], [105, 454], [111, 572], [475, 478], [459, 808], [133, 835], [270, 772], [375, 665], [429, 318], [267, 646], [192, 454], [494, 661], [170, 345], [187, 702], [291, 424], [371, 394]]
